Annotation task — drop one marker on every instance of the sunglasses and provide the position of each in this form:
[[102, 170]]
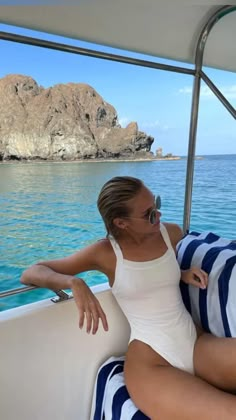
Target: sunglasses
[[152, 216], [153, 213]]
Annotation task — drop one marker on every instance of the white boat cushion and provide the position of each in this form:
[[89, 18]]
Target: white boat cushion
[[214, 308]]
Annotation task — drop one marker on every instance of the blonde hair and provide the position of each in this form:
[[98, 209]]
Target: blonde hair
[[112, 200]]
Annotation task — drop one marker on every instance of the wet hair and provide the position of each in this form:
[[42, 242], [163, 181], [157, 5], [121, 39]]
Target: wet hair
[[112, 200]]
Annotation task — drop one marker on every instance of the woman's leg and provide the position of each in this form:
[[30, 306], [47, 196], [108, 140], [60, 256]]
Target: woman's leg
[[163, 392], [215, 361]]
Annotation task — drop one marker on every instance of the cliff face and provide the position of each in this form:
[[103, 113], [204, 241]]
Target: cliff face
[[67, 121]]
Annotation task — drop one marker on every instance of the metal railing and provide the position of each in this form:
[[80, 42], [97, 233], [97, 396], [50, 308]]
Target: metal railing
[[199, 74], [61, 294], [37, 42]]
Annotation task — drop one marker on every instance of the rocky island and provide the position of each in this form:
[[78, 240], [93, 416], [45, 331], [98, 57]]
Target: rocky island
[[64, 122]]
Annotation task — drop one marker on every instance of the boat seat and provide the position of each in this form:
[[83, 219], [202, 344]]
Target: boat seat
[[213, 309]]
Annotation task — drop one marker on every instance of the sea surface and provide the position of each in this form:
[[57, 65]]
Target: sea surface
[[48, 210]]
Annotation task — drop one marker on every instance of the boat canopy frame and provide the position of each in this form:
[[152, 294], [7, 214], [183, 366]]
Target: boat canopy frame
[[198, 74]]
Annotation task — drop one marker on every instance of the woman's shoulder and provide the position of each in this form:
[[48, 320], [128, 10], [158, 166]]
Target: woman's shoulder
[[99, 248], [104, 248], [175, 232], [103, 243], [106, 258], [93, 255]]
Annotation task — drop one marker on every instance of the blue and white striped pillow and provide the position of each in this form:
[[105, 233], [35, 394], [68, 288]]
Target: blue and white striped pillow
[[215, 307], [112, 401]]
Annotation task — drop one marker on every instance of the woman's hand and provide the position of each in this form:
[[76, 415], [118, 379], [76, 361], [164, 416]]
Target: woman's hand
[[88, 306], [195, 276]]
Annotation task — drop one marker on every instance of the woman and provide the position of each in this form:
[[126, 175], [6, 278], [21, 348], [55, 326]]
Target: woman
[[171, 371]]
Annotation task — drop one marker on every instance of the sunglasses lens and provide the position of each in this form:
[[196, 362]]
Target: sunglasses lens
[[153, 217], [153, 214], [158, 202]]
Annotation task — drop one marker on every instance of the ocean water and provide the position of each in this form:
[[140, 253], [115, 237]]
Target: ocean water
[[48, 210]]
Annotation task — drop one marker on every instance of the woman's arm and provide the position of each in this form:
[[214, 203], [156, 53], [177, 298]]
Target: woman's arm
[[43, 276], [60, 274], [57, 274]]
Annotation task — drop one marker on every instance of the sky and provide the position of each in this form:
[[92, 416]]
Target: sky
[[159, 101]]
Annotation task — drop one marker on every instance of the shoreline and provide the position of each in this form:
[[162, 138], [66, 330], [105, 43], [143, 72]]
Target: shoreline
[[25, 161]]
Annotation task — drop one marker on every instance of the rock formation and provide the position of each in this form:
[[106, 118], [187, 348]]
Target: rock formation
[[64, 122]]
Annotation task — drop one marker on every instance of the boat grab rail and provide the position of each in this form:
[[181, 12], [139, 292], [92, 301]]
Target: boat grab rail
[[61, 294]]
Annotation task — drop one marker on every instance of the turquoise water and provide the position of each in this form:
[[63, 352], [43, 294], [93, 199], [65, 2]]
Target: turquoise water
[[48, 210]]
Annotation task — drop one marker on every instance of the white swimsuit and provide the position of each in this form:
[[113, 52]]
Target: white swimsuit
[[149, 295]]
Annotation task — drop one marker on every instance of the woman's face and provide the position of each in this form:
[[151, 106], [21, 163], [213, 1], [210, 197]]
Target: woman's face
[[143, 215]]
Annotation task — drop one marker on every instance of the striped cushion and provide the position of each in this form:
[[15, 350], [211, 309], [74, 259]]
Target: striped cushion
[[112, 401], [215, 307]]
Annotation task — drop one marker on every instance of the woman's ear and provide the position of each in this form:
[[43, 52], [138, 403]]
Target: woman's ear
[[120, 223]]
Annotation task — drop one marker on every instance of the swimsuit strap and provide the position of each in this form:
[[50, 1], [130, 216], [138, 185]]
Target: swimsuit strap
[[165, 236], [116, 249]]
